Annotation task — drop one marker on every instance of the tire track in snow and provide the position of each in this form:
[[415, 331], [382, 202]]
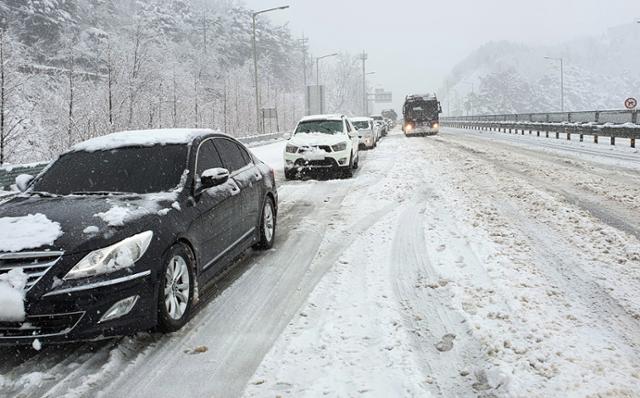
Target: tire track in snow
[[428, 309], [607, 211]]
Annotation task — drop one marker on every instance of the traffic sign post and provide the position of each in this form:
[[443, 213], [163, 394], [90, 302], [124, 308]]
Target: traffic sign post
[[631, 103]]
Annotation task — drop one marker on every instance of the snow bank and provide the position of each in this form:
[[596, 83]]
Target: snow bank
[[140, 138], [27, 232], [12, 292]]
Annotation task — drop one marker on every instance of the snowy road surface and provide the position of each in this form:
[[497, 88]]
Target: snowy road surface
[[464, 264]]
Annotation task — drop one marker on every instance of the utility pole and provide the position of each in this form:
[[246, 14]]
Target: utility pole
[[255, 60], [363, 58]]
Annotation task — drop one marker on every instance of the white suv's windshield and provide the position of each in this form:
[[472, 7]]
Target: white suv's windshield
[[320, 126], [362, 125]]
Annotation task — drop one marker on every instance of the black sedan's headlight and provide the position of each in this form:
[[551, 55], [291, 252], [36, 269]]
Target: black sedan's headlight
[[121, 255]]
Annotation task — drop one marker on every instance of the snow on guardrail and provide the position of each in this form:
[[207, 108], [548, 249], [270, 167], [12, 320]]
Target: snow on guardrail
[[628, 127]]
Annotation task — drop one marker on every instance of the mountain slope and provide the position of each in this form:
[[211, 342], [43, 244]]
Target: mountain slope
[[504, 77]]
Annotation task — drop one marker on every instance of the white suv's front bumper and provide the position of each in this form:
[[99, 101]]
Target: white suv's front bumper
[[316, 160]]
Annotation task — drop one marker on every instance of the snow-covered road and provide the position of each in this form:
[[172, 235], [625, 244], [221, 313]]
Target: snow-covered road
[[464, 264]]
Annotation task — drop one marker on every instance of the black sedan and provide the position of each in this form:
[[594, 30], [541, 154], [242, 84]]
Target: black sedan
[[121, 233]]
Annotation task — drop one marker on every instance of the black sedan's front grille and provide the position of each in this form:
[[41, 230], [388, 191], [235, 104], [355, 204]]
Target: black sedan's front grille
[[40, 326], [34, 264]]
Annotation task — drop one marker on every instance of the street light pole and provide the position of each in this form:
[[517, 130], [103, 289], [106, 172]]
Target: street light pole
[[561, 60], [318, 75], [255, 60], [363, 58]]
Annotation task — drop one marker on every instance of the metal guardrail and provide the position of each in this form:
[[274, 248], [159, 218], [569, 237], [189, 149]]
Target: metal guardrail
[[8, 174], [612, 124], [601, 117]]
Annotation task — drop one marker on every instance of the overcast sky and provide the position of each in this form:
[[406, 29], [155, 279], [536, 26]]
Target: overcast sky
[[413, 44]]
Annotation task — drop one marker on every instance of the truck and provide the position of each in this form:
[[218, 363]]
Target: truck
[[421, 115]]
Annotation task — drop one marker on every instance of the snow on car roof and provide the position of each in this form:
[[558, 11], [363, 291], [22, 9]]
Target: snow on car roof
[[125, 139], [360, 119], [321, 117]]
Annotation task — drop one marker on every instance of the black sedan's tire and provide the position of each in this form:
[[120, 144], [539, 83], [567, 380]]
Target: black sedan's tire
[[177, 283], [267, 226]]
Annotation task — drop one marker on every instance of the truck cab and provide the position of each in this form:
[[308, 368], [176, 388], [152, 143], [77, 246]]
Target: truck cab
[[421, 115]]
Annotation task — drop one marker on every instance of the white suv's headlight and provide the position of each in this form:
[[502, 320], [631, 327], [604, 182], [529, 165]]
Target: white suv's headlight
[[339, 147], [113, 258], [291, 148]]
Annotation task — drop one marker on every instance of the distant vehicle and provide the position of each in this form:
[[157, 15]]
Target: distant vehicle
[[421, 115], [379, 120], [367, 131], [390, 114], [123, 232], [324, 143]]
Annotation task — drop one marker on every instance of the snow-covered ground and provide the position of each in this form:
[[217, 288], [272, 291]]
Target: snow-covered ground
[[466, 264]]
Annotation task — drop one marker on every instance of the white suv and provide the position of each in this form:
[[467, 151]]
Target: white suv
[[327, 143], [367, 131]]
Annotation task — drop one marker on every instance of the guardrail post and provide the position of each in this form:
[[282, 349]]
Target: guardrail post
[[522, 131], [613, 140], [546, 133], [538, 133], [568, 134], [633, 142], [557, 135], [595, 138], [581, 137]]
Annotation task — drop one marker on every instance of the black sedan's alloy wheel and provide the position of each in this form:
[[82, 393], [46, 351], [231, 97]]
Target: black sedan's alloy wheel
[[175, 297], [267, 226]]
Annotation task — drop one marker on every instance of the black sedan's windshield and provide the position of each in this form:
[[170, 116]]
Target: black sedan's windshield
[[126, 170], [320, 126]]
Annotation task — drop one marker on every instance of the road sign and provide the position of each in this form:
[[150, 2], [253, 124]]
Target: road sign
[[383, 97], [631, 103]]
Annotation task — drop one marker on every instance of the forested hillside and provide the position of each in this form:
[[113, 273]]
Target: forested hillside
[[74, 69]]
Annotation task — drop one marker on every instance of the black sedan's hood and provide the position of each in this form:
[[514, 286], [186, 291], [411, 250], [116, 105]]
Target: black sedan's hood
[[85, 222]]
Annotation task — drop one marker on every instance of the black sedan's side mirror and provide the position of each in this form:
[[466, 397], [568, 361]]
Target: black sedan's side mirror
[[23, 181], [213, 177]]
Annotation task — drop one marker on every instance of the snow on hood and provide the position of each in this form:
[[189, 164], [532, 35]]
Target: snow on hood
[[12, 293], [140, 138], [121, 213], [27, 232], [312, 139]]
